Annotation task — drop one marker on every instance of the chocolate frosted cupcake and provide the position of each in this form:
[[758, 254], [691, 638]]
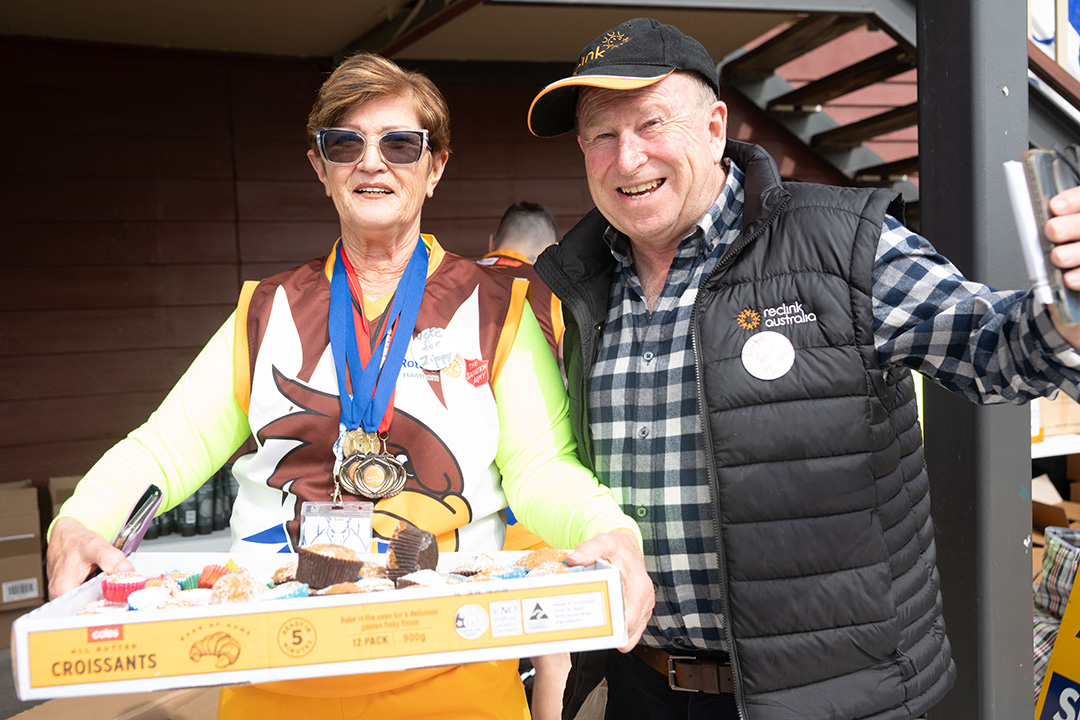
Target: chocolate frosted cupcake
[[411, 549], [325, 564], [421, 578]]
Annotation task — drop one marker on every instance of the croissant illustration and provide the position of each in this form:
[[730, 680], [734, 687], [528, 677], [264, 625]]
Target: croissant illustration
[[220, 645]]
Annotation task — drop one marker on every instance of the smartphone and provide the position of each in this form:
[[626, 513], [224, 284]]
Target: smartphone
[[1049, 172], [131, 534]]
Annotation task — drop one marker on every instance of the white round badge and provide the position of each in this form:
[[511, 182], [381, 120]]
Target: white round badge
[[768, 355], [432, 349]]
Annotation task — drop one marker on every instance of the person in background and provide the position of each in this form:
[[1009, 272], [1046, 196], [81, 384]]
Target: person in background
[[313, 365], [738, 352], [525, 230]]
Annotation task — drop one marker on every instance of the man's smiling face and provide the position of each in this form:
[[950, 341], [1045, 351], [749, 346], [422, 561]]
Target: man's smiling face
[[653, 156]]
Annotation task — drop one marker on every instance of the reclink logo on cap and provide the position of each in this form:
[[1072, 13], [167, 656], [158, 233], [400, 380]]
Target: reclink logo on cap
[[610, 41]]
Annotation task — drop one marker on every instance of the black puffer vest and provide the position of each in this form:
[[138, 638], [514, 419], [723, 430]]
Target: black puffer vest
[[818, 483]]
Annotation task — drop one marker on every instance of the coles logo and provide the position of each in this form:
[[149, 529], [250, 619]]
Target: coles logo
[[108, 633], [476, 372]]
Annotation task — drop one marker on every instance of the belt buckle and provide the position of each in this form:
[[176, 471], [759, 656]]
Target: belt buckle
[[672, 677]]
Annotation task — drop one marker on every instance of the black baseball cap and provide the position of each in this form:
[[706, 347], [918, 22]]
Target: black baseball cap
[[632, 55]]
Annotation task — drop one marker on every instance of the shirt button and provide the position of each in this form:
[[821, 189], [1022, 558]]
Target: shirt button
[[642, 512], [648, 357], [643, 432]]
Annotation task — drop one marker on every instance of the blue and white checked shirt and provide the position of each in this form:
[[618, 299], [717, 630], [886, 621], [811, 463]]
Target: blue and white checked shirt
[[985, 345]]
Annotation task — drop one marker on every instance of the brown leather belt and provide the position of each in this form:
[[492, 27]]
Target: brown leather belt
[[689, 673]]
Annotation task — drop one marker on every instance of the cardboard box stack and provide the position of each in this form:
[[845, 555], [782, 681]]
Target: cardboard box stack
[[1049, 509], [1060, 416], [60, 489], [21, 578]]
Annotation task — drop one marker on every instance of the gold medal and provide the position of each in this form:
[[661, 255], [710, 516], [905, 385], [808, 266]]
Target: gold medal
[[368, 470], [360, 442]]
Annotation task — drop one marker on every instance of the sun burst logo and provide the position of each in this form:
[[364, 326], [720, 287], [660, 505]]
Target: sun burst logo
[[748, 319], [613, 40], [453, 370]]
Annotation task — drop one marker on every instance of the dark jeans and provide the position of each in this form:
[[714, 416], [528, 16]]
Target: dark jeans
[[638, 692]]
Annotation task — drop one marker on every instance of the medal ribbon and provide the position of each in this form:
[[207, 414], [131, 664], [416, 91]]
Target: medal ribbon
[[366, 407]]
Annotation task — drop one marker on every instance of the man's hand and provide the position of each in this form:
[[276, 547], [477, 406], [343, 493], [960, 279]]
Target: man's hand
[[620, 548], [1064, 227], [74, 552]]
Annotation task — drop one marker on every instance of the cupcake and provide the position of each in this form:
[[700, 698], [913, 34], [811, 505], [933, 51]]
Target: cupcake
[[541, 556], [103, 607], [210, 575], [373, 570], [550, 568], [196, 597], [116, 588], [165, 582], [374, 584], [178, 575], [510, 573], [421, 578], [325, 564], [285, 573], [342, 588], [235, 587], [286, 591], [411, 549], [149, 598], [479, 563]]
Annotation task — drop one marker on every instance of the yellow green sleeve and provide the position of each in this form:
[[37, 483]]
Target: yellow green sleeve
[[194, 431], [545, 484]]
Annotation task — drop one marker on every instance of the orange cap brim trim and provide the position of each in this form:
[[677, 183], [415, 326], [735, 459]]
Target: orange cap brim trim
[[607, 82]]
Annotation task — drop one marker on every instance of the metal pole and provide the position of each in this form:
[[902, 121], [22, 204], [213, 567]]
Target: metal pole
[[973, 109]]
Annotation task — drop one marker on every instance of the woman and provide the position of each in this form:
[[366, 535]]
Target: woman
[[389, 370]]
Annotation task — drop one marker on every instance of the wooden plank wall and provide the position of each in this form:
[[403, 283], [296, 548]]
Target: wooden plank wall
[[140, 187], [120, 209]]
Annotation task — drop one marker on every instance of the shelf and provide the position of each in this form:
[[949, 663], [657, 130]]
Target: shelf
[[217, 541], [1054, 445]]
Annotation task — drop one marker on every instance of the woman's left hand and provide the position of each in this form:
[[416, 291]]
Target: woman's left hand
[[620, 548]]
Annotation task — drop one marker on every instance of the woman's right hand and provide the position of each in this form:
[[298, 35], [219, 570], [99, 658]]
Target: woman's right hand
[[74, 552]]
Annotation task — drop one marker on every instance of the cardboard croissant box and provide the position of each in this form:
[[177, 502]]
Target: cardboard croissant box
[[58, 652]]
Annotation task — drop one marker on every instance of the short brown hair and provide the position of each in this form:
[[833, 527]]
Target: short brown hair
[[366, 76]]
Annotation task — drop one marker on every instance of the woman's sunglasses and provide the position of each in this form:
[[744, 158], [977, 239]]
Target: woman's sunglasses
[[339, 146]]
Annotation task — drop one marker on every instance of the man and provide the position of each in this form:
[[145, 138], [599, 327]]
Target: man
[[525, 230], [738, 354]]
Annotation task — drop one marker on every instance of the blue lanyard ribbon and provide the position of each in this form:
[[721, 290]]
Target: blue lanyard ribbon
[[373, 385]]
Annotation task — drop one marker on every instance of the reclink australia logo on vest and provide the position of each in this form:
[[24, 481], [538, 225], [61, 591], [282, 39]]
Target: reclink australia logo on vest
[[781, 315]]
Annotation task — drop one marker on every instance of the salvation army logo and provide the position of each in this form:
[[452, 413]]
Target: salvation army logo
[[470, 621], [476, 372]]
